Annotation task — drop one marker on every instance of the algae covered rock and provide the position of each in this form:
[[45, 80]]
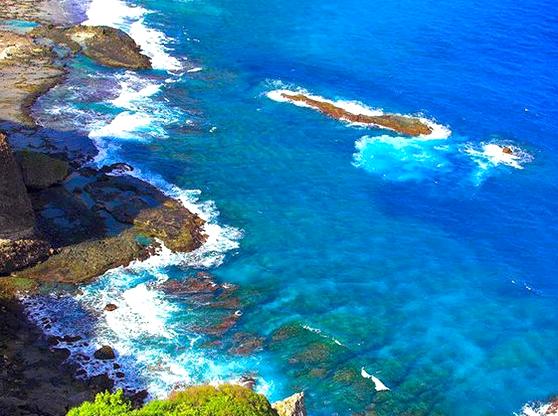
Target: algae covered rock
[[40, 170]]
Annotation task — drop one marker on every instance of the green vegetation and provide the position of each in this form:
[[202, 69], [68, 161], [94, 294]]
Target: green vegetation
[[225, 400]]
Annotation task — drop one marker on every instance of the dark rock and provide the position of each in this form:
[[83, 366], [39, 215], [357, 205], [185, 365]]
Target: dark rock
[[19, 254], [138, 398], [105, 353], [101, 382], [119, 374], [111, 307], [507, 150], [248, 381], [118, 167], [40, 170], [61, 354], [17, 220]]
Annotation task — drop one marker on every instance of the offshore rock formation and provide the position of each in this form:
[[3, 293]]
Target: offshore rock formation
[[106, 45], [410, 126]]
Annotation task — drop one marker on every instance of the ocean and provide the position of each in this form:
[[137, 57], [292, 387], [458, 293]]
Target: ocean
[[429, 263]]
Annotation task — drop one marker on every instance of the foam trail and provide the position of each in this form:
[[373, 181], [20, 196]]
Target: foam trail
[[378, 385]]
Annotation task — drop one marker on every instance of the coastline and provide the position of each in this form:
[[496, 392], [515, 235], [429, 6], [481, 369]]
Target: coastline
[[36, 378], [35, 353]]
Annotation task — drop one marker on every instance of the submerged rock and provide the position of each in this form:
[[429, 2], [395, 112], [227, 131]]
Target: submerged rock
[[291, 406], [106, 45], [411, 126], [40, 170]]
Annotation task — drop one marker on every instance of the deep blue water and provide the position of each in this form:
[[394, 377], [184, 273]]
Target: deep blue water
[[428, 265]]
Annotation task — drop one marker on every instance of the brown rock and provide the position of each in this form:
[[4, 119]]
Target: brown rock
[[411, 126], [111, 307], [507, 150], [105, 353]]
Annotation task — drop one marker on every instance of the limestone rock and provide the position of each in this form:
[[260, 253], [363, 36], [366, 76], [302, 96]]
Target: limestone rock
[[40, 170], [291, 406]]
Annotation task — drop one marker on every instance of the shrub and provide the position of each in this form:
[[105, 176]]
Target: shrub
[[224, 400]]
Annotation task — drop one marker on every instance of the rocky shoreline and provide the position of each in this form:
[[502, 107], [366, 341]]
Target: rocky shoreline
[[65, 223], [62, 221]]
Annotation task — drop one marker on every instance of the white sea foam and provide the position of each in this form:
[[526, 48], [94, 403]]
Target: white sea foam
[[439, 131], [131, 19], [378, 385], [537, 409], [488, 155], [401, 158]]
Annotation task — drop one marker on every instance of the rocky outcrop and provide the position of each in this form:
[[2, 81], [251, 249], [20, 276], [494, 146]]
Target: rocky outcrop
[[16, 214], [106, 45], [291, 406], [40, 170], [128, 221], [19, 248], [410, 126]]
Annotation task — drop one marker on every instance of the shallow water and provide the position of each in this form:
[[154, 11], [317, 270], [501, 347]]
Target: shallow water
[[430, 263]]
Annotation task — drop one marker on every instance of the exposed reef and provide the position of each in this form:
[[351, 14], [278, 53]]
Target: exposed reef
[[411, 126]]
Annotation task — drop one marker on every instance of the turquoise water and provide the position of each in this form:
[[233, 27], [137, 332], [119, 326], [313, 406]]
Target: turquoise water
[[427, 262]]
